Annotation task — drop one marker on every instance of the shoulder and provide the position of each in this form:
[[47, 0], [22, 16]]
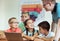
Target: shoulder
[[20, 23], [35, 30], [8, 30], [18, 30], [58, 6], [24, 32], [58, 3], [51, 34]]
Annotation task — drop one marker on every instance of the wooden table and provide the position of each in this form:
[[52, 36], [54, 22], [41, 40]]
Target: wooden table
[[3, 39], [36, 39], [24, 40]]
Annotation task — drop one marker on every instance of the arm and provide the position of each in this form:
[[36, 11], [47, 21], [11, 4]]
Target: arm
[[33, 37], [59, 22], [48, 39], [58, 12], [29, 37], [25, 36]]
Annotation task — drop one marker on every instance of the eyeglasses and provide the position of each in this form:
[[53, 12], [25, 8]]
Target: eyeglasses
[[14, 22]]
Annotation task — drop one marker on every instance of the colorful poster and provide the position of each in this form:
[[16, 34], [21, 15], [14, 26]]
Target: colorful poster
[[33, 9]]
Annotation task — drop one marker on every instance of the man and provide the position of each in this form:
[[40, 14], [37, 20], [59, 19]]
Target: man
[[51, 5]]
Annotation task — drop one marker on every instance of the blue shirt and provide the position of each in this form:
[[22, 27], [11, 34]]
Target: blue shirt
[[56, 12], [58, 9]]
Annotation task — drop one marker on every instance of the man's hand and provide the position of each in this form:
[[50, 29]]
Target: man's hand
[[58, 22]]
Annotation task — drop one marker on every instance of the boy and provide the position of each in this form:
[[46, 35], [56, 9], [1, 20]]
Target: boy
[[45, 34], [13, 23], [25, 16]]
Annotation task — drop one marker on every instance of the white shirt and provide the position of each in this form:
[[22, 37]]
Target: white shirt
[[44, 16], [50, 34]]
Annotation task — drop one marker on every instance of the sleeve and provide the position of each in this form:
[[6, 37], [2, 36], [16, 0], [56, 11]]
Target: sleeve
[[21, 26], [19, 30], [24, 32], [41, 35], [36, 31], [40, 17], [58, 10], [52, 34]]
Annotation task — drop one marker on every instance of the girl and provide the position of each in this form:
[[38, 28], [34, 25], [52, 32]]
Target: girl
[[30, 33]]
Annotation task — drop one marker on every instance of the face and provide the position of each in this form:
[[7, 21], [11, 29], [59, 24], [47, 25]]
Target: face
[[24, 17], [14, 23], [30, 24], [48, 5], [41, 30]]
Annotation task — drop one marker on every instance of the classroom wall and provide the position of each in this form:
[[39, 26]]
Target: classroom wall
[[2, 15]]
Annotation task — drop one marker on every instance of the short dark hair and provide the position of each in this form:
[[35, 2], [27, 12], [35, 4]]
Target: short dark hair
[[25, 13], [25, 23], [50, 0], [53, 0], [9, 21], [44, 25]]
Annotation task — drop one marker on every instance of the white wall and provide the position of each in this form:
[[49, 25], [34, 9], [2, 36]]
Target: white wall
[[2, 15], [11, 8]]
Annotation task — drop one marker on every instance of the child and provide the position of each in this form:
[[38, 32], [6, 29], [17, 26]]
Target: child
[[25, 16], [45, 35], [13, 23], [30, 33]]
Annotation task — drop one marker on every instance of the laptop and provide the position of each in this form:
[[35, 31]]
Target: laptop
[[13, 36]]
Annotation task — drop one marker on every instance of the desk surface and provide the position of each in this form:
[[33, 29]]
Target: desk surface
[[5, 39], [24, 40]]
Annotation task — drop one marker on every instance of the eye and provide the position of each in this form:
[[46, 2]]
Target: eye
[[25, 16], [21, 16]]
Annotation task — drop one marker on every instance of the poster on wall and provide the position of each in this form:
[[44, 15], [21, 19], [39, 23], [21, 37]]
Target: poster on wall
[[33, 9]]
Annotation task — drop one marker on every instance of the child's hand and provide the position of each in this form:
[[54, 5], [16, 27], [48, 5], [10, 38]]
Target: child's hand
[[22, 34], [32, 38], [38, 37], [2, 36]]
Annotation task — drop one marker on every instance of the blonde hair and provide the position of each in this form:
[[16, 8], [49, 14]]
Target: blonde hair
[[50, 0]]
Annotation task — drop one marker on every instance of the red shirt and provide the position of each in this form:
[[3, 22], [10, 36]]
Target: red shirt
[[17, 30]]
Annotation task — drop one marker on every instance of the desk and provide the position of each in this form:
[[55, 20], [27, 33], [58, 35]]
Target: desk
[[36, 39], [3, 39], [24, 40]]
